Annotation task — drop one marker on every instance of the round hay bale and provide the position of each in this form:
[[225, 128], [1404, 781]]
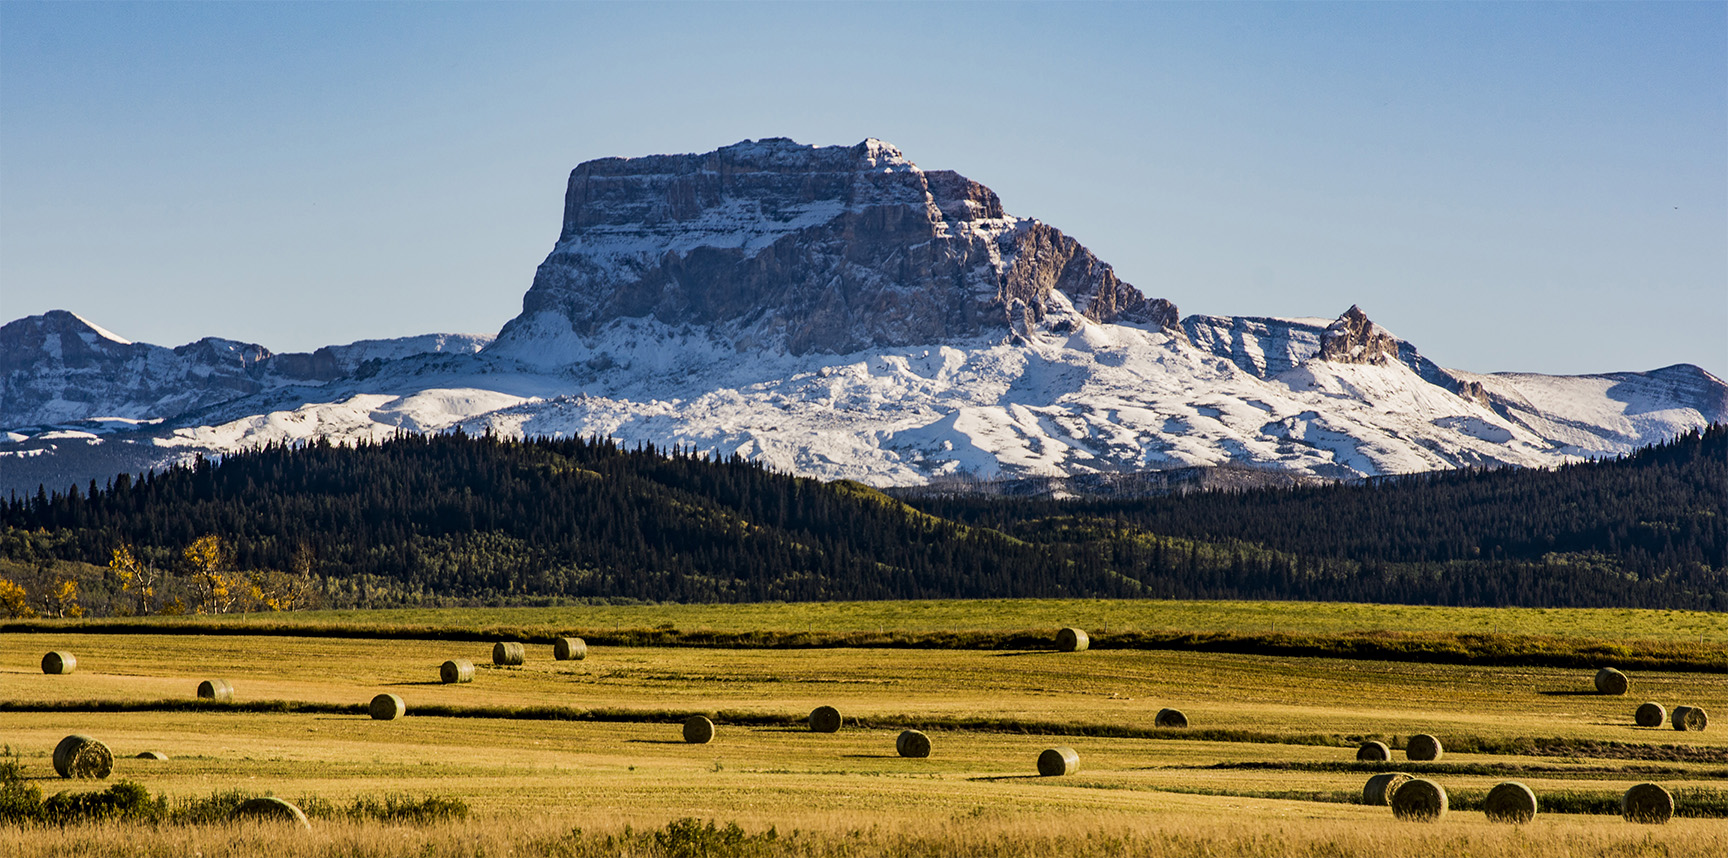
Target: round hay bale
[[151, 755], [1058, 761], [912, 743], [456, 670], [59, 662], [1611, 681], [824, 719], [1510, 802], [82, 757], [387, 707], [569, 649], [1648, 803], [1650, 715], [215, 689], [1690, 718], [508, 653], [1419, 800], [1170, 718], [698, 730], [1378, 791], [1072, 640], [1423, 748], [272, 809], [1373, 752]]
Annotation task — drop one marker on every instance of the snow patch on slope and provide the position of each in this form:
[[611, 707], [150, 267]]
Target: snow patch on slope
[[1094, 398]]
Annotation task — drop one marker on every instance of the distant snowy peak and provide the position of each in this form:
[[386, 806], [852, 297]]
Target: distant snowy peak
[[59, 367], [773, 245], [333, 362], [98, 329]]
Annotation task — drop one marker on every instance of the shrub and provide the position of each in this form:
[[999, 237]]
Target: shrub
[[124, 800], [692, 838]]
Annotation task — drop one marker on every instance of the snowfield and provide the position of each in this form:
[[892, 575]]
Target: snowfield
[[1099, 398]]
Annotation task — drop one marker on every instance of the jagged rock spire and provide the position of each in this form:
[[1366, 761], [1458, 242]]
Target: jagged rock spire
[[1353, 338]]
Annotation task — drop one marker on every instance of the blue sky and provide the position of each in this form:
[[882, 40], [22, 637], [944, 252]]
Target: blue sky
[[1530, 186]]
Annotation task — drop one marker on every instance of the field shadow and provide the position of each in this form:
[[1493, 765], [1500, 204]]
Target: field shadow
[[1570, 692]]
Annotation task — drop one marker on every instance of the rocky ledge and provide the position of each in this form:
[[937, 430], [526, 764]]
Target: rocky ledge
[[773, 244]]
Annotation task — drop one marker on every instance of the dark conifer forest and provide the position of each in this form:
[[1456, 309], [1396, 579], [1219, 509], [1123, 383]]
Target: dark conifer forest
[[453, 518]]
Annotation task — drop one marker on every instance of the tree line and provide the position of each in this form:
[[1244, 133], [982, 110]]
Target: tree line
[[457, 519]]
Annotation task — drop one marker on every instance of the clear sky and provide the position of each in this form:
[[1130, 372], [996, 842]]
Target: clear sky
[[1523, 186]]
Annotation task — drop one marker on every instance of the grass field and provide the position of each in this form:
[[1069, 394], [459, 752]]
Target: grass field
[[585, 758], [1002, 615]]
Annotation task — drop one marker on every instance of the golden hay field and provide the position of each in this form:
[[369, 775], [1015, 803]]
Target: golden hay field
[[1266, 767]]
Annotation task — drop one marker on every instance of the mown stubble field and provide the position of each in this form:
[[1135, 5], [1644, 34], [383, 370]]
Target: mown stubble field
[[1266, 767]]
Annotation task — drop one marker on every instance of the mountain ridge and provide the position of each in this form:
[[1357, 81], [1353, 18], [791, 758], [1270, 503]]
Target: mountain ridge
[[836, 312]]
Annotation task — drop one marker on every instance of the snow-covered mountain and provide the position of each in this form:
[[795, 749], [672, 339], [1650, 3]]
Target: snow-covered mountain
[[836, 312]]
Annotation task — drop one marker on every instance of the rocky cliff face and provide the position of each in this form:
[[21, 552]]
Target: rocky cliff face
[[57, 367], [770, 244]]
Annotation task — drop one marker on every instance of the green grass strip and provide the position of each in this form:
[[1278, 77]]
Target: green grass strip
[[1479, 649], [1527, 746]]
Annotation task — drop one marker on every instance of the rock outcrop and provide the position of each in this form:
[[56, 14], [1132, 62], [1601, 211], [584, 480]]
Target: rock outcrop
[[1356, 339], [771, 244]]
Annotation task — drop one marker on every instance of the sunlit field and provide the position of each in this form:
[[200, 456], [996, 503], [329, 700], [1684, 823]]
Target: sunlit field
[[587, 757], [1096, 615]]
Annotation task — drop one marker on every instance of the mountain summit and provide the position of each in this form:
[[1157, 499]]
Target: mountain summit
[[838, 312], [834, 249]]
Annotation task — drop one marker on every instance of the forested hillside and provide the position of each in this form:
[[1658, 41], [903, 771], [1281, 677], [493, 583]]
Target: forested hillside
[[1646, 529], [427, 520]]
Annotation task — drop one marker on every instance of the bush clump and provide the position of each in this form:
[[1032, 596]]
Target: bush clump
[[692, 838], [22, 801]]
